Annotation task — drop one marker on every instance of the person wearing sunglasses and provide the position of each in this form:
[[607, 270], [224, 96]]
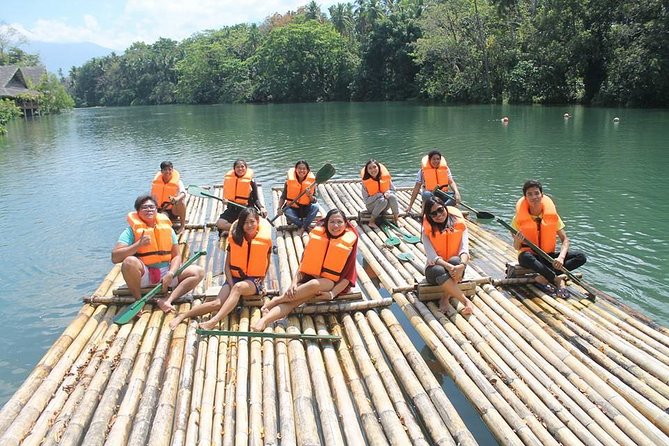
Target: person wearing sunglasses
[[170, 192], [148, 252], [446, 240], [537, 220]]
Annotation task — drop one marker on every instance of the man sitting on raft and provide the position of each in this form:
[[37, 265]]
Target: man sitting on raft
[[537, 220], [433, 173], [169, 190], [326, 270], [148, 251]]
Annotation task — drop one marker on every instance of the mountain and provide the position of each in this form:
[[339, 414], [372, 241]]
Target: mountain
[[65, 55]]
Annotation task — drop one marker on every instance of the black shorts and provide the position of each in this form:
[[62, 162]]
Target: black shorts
[[169, 214], [231, 213]]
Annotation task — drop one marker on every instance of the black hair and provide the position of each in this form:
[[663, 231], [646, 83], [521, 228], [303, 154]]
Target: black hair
[[427, 209], [238, 232], [532, 183], [303, 162], [432, 153], [366, 175], [166, 164], [143, 199]]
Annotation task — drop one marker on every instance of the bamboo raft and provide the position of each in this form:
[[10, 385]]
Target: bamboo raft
[[539, 370]]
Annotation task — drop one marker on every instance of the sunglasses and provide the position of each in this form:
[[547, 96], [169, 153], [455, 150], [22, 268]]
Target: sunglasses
[[438, 211], [147, 207]]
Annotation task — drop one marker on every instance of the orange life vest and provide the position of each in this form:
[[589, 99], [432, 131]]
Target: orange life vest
[[435, 177], [161, 190], [325, 257], [238, 189], [447, 243], [543, 233], [251, 259], [374, 186], [295, 188], [160, 248]]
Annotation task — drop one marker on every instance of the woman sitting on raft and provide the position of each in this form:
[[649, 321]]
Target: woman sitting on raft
[[319, 276], [303, 212], [238, 187], [378, 191], [246, 263], [446, 240]]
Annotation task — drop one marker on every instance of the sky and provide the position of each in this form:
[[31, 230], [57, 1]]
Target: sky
[[116, 24]]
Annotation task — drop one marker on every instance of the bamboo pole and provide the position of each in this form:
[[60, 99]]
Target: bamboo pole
[[392, 424], [30, 412], [557, 357], [508, 427], [270, 398], [328, 422], [401, 371], [325, 308], [287, 420], [374, 434], [229, 414], [242, 390], [215, 434], [350, 424]]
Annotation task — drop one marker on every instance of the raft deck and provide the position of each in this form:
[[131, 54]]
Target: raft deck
[[539, 370]]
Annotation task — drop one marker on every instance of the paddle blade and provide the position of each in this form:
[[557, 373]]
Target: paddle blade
[[405, 256], [198, 191], [325, 173], [413, 239], [392, 241], [131, 312]]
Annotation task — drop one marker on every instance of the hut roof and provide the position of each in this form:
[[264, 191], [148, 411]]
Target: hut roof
[[14, 80]]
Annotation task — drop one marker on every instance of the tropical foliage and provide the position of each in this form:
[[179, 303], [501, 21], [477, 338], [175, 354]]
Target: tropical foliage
[[473, 51]]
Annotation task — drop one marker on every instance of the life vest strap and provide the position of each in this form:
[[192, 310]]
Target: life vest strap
[[151, 253]]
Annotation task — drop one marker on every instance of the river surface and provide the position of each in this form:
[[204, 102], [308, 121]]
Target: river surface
[[67, 182]]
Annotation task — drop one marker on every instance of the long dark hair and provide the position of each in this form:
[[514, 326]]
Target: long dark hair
[[366, 175], [427, 208], [239, 161], [238, 231]]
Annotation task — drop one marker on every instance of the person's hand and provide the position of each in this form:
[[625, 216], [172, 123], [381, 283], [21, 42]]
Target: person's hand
[[519, 238], [458, 199], [279, 211], [144, 239], [386, 194], [408, 211], [290, 292], [558, 263], [167, 280], [326, 295], [262, 212], [457, 272], [173, 199]]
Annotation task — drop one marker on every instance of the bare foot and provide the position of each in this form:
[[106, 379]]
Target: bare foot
[[209, 325], [259, 325], [163, 305], [372, 224], [266, 307], [176, 321], [443, 304]]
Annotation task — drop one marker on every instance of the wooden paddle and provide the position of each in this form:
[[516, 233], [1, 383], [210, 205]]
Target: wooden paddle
[[592, 292], [324, 173], [200, 192], [135, 308], [406, 237], [391, 240], [479, 215]]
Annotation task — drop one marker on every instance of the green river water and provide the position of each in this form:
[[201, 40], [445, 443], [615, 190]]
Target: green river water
[[67, 182]]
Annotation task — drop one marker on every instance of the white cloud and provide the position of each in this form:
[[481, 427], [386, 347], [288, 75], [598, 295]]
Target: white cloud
[[148, 20]]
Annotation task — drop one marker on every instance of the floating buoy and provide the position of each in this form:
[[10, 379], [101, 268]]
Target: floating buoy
[[505, 119], [567, 116], [616, 119]]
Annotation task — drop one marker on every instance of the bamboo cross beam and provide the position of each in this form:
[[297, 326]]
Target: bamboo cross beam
[[257, 334]]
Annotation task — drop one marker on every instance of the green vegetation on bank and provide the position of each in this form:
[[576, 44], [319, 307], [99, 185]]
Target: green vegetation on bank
[[471, 51]]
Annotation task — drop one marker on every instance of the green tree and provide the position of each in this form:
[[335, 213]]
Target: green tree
[[8, 111], [304, 62], [53, 97]]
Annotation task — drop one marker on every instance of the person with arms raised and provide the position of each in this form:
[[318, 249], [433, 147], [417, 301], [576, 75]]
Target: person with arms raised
[[246, 263], [170, 194], [148, 252], [302, 212], [326, 270], [378, 191], [538, 221], [434, 172], [240, 191], [446, 240]]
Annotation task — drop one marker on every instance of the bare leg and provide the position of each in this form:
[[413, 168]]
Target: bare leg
[[223, 225], [280, 307], [451, 289], [228, 303], [132, 269], [188, 280], [179, 209], [204, 308]]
